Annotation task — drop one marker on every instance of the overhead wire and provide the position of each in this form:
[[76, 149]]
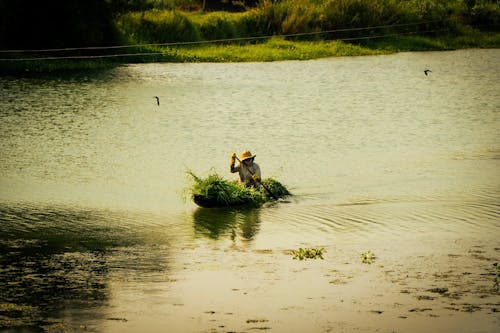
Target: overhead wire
[[225, 40], [218, 40]]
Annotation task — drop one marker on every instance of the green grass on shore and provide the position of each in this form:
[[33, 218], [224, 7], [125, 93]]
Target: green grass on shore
[[279, 49], [274, 49]]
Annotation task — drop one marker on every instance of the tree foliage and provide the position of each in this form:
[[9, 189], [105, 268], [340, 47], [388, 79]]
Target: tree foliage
[[35, 24], [38, 24]]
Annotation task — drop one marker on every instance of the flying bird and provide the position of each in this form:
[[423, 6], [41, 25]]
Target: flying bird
[[157, 100], [427, 71]]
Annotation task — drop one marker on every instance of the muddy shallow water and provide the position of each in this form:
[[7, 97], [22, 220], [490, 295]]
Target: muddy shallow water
[[95, 235]]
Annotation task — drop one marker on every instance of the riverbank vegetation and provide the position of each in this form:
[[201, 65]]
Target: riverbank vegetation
[[221, 31]]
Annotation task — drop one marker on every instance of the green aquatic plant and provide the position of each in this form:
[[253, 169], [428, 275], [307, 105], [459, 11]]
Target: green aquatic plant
[[368, 257], [308, 253], [215, 191]]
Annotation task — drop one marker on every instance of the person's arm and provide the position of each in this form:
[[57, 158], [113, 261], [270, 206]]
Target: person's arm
[[232, 160]]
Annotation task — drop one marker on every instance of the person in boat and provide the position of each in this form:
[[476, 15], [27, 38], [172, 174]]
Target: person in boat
[[248, 170]]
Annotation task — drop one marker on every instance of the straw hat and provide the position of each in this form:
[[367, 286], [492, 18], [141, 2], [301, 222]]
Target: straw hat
[[246, 155]]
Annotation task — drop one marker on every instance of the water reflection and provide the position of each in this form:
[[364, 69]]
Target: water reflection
[[218, 223], [37, 283], [56, 261]]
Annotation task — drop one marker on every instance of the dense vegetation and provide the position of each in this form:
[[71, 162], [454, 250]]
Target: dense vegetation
[[312, 17], [32, 24], [181, 29]]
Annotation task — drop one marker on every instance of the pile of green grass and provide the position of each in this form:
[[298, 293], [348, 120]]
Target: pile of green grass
[[215, 191], [275, 187]]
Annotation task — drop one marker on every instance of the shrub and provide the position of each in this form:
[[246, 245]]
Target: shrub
[[217, 25], [158, 27]]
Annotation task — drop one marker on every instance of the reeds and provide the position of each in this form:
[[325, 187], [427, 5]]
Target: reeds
[[287, 17], [157, 26]]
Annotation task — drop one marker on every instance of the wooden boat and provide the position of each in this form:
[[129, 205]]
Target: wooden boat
[[212, 202]]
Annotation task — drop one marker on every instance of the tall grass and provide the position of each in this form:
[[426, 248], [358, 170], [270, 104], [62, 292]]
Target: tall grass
[[305, 16], [157, 26], [218, 25]]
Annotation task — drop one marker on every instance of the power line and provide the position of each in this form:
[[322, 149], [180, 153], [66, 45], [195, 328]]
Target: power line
[[216, 40], [85, 57], [211, 41]]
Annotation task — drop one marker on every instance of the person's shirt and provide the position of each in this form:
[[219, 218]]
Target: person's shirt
[[246, 172]]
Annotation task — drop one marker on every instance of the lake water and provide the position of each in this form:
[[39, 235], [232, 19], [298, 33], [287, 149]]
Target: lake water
[[96, 236]]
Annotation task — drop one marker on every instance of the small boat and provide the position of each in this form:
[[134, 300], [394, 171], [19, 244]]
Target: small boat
[[212, 202]]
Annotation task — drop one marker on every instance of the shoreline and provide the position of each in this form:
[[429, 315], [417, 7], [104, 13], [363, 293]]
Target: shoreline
[[274, 49], [442, 282]]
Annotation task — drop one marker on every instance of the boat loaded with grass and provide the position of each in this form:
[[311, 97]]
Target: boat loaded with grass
[[215, 191]]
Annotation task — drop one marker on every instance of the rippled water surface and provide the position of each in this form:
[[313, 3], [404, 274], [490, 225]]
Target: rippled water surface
[[95, 234]]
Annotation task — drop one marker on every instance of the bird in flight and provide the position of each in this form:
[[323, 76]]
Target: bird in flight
[[427, 71], [158, 99]]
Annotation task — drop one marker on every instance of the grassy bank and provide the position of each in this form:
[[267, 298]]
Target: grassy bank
[[302, 29], [279, 49], [274, 49]]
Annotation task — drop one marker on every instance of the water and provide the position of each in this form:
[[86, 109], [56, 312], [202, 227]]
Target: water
[[95, 234]]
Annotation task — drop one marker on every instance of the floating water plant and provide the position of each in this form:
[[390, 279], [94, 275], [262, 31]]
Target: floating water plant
[[368, 257], [215, 191], [308, 253]]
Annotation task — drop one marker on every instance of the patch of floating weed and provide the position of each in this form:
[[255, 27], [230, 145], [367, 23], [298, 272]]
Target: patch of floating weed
[[308, 253], [368, 257]]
